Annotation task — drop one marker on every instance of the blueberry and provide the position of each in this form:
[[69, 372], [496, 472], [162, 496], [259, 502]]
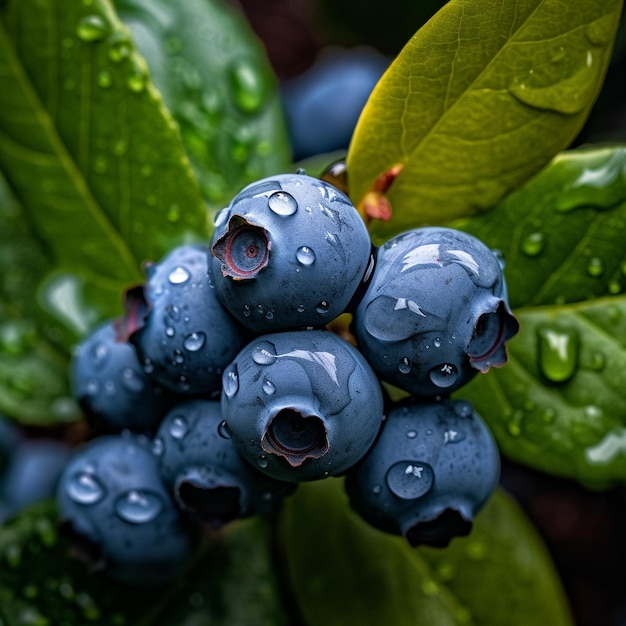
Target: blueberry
[[301, 405], [289, 252], [183, 335], [203, 468], [431, 470], [109, 383], [322, 105], [435, 312], [32, 473], [118, 513]]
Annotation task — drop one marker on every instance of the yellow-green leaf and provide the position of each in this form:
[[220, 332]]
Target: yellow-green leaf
[[481, 98]]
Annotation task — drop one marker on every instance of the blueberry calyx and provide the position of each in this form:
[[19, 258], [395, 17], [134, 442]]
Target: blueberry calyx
[[491, 332], [215, 503], [243, 249], [439, 531], [295, 437]]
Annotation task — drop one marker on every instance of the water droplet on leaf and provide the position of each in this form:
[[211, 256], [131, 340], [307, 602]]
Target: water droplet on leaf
[[558, 352], [92, 28]]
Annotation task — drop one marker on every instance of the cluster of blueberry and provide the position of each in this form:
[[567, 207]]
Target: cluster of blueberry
[[222, 388]]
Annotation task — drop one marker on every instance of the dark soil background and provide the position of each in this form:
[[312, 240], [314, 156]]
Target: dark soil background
[[584, 531]]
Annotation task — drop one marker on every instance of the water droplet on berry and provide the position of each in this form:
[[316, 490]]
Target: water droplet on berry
[[158, 447], [282, 203], [174, 312], [262, 462], [453, 436], [411, 434], [301, 308], [231, 382], [91, 28], [223, 430], [405, 365], [269, 387], [376, 489], [170, 331], [409, 480], [179, 427], [463, 408], [138, 506], [99, 355], [558, 352], [179, 358], [132, 380], [443, 375], [84, 488], [305, 255], [194, 342], [322, 307], [179, 275], [264, 353]]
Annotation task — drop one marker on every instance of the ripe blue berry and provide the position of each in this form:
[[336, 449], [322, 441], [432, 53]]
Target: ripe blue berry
[[435, 312], [111, 386], [203, 468], [182, 334], [119, 515], [433, 467], [301, 405], [290, 252]]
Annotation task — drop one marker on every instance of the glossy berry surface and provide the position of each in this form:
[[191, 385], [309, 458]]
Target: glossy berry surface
[[183, 335], [289, 252], [301, 405], [118, 513], [317, 119], [433, 467], [203, 468], [109, 383], [435, 312]]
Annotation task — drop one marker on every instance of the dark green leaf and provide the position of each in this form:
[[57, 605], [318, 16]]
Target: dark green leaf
[[480, 99], [231, 584], [217, 82], [343, 571], [560, 402], [33, 378], [86, 143]]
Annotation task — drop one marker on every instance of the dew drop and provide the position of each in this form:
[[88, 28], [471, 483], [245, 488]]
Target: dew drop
[[223, 430], [174, 312], [148, 366], [85, 488], [119, 50], [262, 462], [305, 256], [598, 361], [595, 267], [264, 353], [179, 276], [405, 365], [463, 408], [231, 382], [170, 331], [409, 479], [158, 447], [248, 86], [179, 427], [282, 203], [437, 342], [194, 342], [376, 489], [269, 387], [92, 28], [132, 380], [136, 80], [533, 244], [557, 352], [452, 435], [139, 507], [411, 434], [301, 308], [104, 79], [322, 307], [100, 355], [444, 375]]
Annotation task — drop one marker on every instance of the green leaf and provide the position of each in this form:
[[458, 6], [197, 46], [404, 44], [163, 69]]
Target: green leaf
[[86, 143], [231, 584], [479, 100], [33, 381], [560, 403], [344, 571], [216, 80]]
